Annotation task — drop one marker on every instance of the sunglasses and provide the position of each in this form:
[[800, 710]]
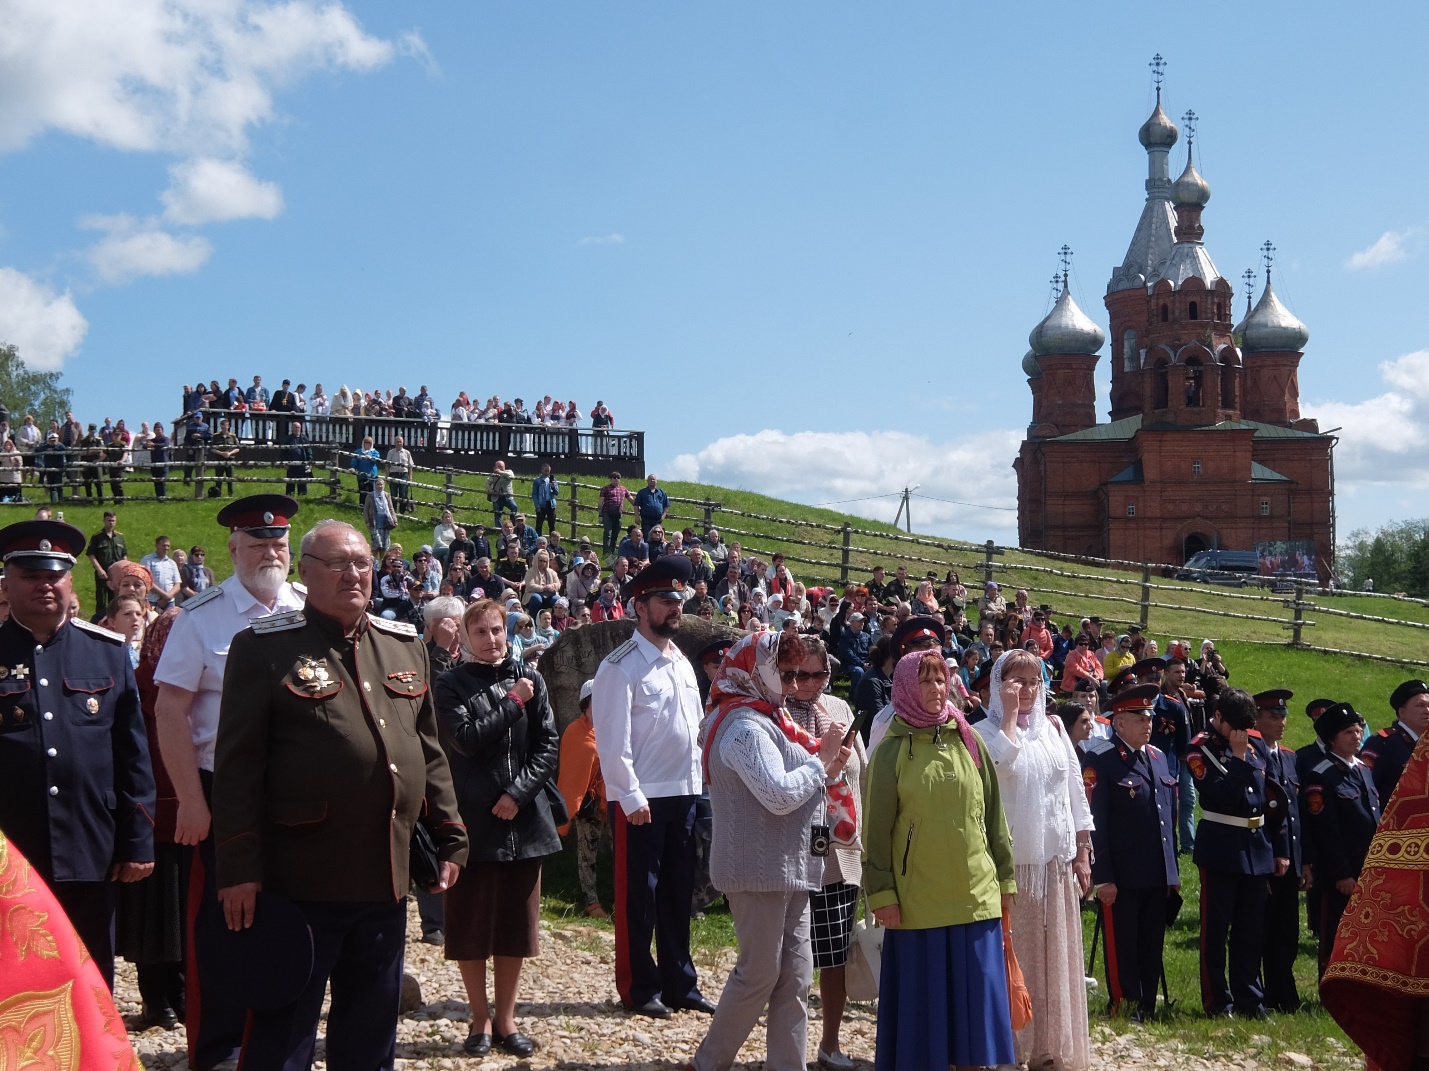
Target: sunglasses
[[801, 676]]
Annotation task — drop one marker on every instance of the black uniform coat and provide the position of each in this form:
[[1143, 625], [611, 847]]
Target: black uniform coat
[[327, 753], [1233, 786], [1341, 807], [1283, 784], [1133, 802], [78, 787], [1386, 753]]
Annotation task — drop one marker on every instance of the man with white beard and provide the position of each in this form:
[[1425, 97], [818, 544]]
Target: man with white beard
[[190, 680]]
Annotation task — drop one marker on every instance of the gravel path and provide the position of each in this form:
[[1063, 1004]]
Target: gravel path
[[569, 1006]]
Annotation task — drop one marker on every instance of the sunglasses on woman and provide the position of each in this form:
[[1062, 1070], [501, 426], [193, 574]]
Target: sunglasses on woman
[[802, 676]]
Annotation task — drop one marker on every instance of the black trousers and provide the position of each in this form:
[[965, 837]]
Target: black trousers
[[214, 1027], [1232, 911], [1282, 942], [654, 889], [1135, 937], [1332, 909], [160, 474], [548, 515], [358, 947], [90, 906]]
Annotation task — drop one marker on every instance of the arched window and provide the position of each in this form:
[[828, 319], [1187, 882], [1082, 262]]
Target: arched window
[[1161, 387], [1165, 312], [1130, 355], [1193, 383], [1193, 311], [1228, 375]]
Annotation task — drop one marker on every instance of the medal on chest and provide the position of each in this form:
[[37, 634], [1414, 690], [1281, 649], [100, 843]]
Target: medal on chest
[[313, 672]]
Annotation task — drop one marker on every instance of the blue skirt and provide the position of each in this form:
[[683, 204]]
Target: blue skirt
[[942, 999]]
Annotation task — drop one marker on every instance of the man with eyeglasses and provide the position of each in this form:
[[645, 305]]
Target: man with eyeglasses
[[327, 755], [645, 705], [190, 680]]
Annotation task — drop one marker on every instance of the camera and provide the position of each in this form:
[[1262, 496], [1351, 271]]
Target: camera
[[819, 838]]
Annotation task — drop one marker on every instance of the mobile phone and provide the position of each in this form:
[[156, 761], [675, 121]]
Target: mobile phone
[[853, 728]]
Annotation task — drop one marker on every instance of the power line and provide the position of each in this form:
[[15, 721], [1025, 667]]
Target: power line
[[869, 498], [974, 505]]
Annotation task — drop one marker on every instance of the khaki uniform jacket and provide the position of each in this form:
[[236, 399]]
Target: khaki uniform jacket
[[327, 753]]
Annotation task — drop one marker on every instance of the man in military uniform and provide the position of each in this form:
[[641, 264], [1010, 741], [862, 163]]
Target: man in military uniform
[[1282, 909], [78, 799], [1171, 733], [190, 681], [91, 453], [327, 754], [1236, 853], [1133, 800], [298, 453], [1388, 750], [1306, 759], [1341, 808], [105, 547], [224, 449], [645, 706]]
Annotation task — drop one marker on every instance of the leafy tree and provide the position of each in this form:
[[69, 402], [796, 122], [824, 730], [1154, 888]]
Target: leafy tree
[[1395, 557], [23, 390]]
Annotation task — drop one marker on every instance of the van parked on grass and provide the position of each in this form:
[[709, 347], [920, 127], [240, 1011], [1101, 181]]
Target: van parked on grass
[[1221, 567]]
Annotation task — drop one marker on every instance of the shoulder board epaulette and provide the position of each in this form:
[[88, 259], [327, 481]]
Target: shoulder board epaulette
[[1323, 767], [1384, 733], [213, 592], [1201, 738], [621, 651], [279, 622], [97, 630], [299, 588], [1154, 750], [395, 628]]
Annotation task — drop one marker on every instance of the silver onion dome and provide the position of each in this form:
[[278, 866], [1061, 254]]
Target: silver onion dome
[[1158, 132], [1271, 328], [1190, 188], [1030, 366], [1066, 329]]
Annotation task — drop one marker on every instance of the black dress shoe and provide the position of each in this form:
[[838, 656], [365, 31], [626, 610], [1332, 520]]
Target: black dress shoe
[[161, 1016], [515, 1043], [652, 1009], [476, 1044], [695, 1004]]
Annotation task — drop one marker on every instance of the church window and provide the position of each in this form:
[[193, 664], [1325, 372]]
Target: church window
[[1265, 507], [1130, 355], [1165, 312], [1131, 509], [1193, 311], [1195, 468]]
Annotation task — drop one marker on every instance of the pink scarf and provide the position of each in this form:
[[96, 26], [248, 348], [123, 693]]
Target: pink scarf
[[908, 700]]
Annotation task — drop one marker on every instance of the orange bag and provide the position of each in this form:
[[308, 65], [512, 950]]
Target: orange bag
[[1017, 995]]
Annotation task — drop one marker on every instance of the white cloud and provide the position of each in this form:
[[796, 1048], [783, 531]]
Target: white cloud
[[43, 325], [135, 247], [1384, 439], [832, 467], [1391, 247], [613, 238], [187, 77], [208, 191]]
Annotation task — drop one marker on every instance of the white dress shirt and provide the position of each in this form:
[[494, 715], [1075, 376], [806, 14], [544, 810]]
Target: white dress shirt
[[196, 652], [646, 711]]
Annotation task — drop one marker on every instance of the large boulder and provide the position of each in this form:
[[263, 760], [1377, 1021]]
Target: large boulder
[[577, 653]]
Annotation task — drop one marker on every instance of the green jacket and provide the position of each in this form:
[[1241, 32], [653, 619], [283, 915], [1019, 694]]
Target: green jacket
[[935, 837]]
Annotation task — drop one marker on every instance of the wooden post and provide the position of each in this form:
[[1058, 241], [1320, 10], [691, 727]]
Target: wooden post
[[989, 549], [1145, 597], [709, 515], [843, 560], [1297, 621], [575, 509], [450, 489]]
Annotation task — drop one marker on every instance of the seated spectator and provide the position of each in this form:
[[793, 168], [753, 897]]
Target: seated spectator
[[441, 628], [633, 547], [1038, 633], [923, 603], [759, 604], [442, 535], [561, 618], [583, 583], [776, 615], [714, 547], [484, 583], [426, 575], [195, 577], [876, 689], [1082, 666], [540, 585], [700, 601], [972, 658], [853, 650], [1118, 657], [954, 596], [992, 607], [394, 592], [657, 543], [512, 568], [607, 606], [545, 632]]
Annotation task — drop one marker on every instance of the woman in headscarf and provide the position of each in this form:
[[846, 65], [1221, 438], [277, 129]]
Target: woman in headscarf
[[1050, 822], [769, 781], [342, 403], [924, 604], [938, 871], [583, 583], [607, 607], [832, 907]]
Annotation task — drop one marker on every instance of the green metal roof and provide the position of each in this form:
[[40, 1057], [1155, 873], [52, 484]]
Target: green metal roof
[[1131, 474], [1127, 427], [1260, 474]]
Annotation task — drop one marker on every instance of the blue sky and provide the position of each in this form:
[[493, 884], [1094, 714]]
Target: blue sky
[[800, 245]]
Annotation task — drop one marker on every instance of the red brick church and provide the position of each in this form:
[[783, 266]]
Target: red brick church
[[1205, 446]]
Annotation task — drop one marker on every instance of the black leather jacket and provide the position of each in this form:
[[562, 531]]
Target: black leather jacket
[[494, 746]]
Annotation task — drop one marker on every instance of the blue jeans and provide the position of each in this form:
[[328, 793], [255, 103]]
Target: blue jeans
[[1186, 809], [503, 502]]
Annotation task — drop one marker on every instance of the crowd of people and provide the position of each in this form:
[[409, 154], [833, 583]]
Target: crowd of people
[[285, 759]]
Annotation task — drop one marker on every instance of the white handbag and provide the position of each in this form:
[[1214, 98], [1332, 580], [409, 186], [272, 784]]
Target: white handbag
[[865, 957]]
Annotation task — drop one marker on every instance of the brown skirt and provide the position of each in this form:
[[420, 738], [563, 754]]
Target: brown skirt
[[494, 909]]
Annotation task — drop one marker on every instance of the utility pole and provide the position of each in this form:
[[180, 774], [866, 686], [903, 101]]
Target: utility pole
[[905, 509]]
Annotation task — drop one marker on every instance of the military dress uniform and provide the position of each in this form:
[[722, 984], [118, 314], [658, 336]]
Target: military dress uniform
[[1306, 758], [1341, 807], [327, 754], [1133, 801], [1386, 753], [1282, 907], [1236, 853], [646, 710], [78, 791]]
